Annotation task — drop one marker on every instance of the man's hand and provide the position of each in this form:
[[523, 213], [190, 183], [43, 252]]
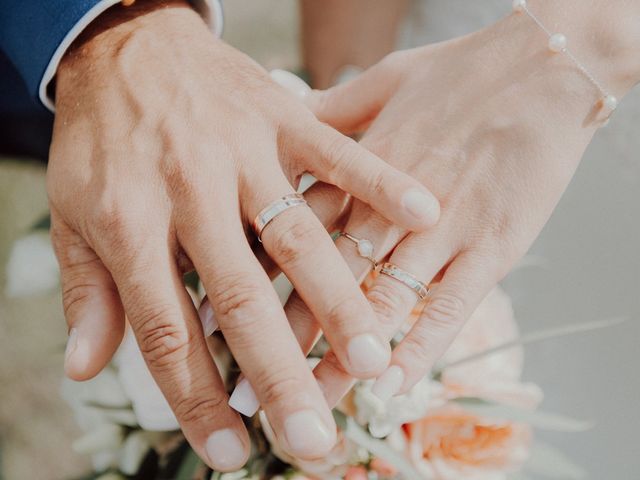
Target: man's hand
[[167, 143]]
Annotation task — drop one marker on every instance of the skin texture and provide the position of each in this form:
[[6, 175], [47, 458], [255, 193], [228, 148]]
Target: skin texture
[[495, 125], [166, 144]]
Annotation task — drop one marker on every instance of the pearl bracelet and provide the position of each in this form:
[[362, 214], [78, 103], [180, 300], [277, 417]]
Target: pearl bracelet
[[558, 44]]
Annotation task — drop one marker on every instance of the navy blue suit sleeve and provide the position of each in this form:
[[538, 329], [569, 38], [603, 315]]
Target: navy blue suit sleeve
[[31, 31]]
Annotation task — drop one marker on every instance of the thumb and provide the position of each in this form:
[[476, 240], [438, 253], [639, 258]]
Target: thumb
[[92, 306], [351, 106]]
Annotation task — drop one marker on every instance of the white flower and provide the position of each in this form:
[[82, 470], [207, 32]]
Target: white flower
[[151, 408], [383, 418], [103, 438], [32, 267], [133, 451], [238, 475]]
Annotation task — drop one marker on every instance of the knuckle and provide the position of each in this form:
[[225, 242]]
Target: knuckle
[[376, 183], [386, 302], [332, 363], [162, 339], [199, 409], [421, 343], [279, 387], [446, 309], [73, 297], [341, 314], [291, 242], [339, 158], [239, 300]]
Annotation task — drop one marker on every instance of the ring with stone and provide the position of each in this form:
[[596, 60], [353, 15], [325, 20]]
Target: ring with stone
[[274, 209], [364, 247], [405, 277]]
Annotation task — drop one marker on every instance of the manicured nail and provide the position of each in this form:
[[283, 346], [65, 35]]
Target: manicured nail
[[207, 318], [76, 355], [225, 450], [243, 399], [422, 205], [307, 435], [367, 354], [389, 383], [291, 82]]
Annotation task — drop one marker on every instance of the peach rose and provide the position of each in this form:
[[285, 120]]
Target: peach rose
[[356, 473], [451, 443], [494, 377], [383, 468]]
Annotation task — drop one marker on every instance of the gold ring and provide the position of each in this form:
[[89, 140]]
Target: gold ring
[[409, 280]]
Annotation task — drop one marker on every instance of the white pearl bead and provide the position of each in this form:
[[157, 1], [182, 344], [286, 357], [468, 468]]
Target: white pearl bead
[[365, 248], [519, 5], [610, 103], [557, 42]]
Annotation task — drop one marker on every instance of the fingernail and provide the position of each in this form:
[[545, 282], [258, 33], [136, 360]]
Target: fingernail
[[307, 435], [422, 205], [291, 82], [225, 450], [389, 383], [243, 399], [207, 318], [367, 354], [76, 356]]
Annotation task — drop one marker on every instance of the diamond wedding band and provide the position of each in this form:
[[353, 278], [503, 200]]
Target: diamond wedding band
[[274, 209], [409, 280], [363, 246]]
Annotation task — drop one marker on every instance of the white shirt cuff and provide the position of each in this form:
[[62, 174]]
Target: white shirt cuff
[[210, 10]]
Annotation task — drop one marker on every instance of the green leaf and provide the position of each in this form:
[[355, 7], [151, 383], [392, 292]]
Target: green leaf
[[190, 463], [359, 436], [550, 462], [536, 418], [191, 280], [43, 223], [534, 337]]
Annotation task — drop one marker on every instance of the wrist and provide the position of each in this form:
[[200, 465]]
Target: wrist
[[118, 30]]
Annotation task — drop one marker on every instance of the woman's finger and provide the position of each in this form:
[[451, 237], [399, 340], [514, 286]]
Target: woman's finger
[[466, 282], [91, 304], [168, 332], [255, 328], [422, 256], [351, 106], [328, 203]]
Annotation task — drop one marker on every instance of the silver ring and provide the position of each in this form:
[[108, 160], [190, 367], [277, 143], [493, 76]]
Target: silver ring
[[405, 277], [274, 209], [364, 247]]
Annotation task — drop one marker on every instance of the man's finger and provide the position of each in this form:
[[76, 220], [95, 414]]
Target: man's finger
[[256, 330], [91, 304], [167, 329]]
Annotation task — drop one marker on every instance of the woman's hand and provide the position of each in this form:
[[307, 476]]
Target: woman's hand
[[167, 143], [495, 125]]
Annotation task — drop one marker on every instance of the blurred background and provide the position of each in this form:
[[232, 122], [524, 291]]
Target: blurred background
[[585, 267]]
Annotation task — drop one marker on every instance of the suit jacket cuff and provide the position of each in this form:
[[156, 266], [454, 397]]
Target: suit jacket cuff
[[36, 36]]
